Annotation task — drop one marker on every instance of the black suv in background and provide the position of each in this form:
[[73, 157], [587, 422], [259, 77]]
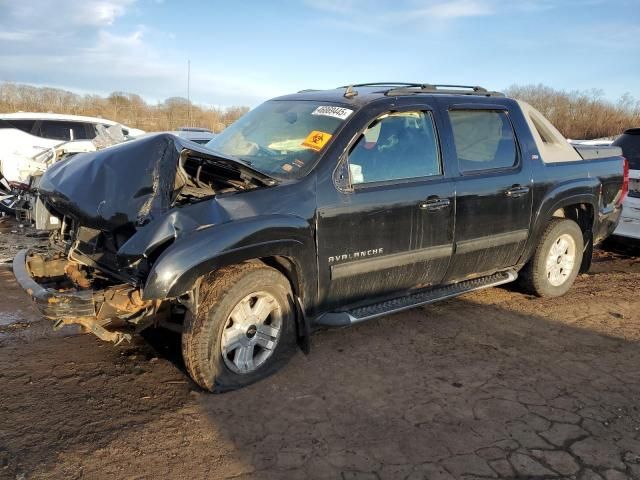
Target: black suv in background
[[629, 226]]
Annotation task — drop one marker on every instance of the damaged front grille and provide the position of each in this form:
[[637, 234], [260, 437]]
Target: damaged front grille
[[98, 250]]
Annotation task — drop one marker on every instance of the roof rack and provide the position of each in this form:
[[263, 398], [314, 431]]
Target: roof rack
[[442, 88]]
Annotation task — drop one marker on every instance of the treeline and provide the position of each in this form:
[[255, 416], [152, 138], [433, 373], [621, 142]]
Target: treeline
[[581, 114], [126, 108], [577, 114]]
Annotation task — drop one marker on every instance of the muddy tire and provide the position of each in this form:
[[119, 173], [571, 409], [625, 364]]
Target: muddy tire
[[556, 261], [245, 327]]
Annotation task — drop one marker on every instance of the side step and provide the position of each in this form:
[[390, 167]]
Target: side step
[[360, 314]]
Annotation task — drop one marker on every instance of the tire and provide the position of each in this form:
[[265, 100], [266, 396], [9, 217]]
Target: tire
[[543, 275], [229, 344]]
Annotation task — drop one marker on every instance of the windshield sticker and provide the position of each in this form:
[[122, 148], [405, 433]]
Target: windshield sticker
[[335, 112], [316, 140]]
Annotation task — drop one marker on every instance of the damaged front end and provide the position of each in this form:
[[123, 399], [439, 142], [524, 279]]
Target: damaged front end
[[64, 294], [117, 210]]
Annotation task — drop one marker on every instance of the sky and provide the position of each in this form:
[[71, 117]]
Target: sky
[[244, 52]]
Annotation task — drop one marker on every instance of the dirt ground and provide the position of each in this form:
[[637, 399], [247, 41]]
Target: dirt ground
[[494, 384]]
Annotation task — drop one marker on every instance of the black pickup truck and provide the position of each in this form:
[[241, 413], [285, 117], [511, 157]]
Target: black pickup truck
[[321, 208]]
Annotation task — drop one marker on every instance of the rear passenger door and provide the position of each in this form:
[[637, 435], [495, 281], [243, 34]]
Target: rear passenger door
[[493, 190]]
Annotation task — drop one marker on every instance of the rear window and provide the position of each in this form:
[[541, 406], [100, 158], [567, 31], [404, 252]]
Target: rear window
[[630, 145], [484, 140]]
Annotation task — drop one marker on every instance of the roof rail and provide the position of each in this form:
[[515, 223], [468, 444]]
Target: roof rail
[[444, 89], [383, 84]]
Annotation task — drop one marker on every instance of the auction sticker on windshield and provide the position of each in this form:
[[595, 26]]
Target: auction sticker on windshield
[[336, 112], [316, 140]]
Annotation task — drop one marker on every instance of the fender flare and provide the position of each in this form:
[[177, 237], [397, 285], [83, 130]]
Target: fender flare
[[582, 191], [180, 265]]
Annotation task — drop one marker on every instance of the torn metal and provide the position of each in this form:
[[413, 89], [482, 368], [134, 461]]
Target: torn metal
[[117, 209]]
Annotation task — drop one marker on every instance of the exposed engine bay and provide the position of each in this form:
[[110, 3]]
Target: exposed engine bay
[[111, 214]]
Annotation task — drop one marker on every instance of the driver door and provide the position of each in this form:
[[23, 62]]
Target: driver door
[[391, 230]]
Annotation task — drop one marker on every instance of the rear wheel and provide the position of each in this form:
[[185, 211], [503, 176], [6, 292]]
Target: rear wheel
[[244, 329], [556, 262]]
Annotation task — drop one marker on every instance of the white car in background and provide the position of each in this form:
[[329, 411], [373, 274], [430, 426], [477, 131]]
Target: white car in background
[[66, 128], [629, 226], [30, 142]]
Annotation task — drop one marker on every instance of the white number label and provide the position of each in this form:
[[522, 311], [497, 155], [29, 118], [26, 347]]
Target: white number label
[[336, 112]]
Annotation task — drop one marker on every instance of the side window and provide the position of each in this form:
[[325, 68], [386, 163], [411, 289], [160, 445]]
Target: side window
[[396, 146], [90, 131], [484, 139], [24, 125], [61, 130]]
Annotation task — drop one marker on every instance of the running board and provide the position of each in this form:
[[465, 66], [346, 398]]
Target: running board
[[360, 314]]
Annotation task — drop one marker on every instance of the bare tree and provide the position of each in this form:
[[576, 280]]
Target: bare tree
[[581, 114], [127, 108]]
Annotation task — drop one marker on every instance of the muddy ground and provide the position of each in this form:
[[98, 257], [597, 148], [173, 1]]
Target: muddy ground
[[494, 384]]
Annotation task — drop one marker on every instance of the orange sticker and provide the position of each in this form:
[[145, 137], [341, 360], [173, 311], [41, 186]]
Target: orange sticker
[[316, 140]]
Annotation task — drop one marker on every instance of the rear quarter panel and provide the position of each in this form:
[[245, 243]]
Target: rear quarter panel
[[596, 183]]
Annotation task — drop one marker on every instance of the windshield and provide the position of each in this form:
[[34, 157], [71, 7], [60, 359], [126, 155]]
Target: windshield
[[281, 138]]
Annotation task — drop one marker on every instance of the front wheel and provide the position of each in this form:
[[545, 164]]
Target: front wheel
[[244, 329], [556, 262]]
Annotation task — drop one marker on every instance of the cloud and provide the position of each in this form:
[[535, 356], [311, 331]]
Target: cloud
[[44, 13], [378, 16], [458, 9], [79, 45], [407, 10]]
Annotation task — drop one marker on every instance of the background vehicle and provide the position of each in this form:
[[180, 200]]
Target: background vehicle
[[61, 127], [322, 208], [31, 142], [195, 134], [629, 226]]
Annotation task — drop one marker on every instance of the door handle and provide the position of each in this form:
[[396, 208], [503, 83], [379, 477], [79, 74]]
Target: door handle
[[516, 191], [433, 204]]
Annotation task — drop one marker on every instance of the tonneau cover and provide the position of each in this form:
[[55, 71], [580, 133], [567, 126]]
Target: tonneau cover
[[593, 152]]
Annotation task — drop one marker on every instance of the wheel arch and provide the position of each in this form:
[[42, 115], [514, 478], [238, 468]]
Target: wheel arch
[[282, 242], [584, 215], [579, 207]]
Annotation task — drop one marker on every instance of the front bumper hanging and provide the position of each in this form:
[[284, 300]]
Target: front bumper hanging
[[66, 306]]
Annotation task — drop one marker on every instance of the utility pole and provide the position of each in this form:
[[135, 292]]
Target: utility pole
[[189, 91]]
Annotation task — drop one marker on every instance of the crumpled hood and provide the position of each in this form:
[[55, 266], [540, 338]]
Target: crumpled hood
[[127, 184]]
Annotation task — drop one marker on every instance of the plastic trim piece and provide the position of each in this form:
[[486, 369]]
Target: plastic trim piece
[[389, 261], [490, 241]]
